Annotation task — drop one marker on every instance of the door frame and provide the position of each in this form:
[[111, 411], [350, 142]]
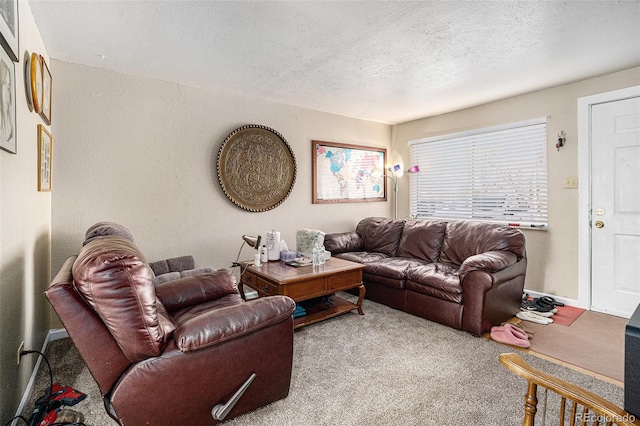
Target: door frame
[[584, 188]]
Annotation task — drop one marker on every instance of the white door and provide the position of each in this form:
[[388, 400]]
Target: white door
[[615, 201]]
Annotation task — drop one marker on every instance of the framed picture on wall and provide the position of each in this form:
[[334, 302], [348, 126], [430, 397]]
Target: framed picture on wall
[[8, 140], [9, 28], [45, 159], [345, 173], [35, 82], [45, 113]]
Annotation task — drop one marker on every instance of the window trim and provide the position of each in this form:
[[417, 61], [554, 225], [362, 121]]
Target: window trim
[[508, 126], [477, 132]]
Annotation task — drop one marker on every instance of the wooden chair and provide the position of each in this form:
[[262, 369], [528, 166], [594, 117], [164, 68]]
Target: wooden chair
[[585, 408]]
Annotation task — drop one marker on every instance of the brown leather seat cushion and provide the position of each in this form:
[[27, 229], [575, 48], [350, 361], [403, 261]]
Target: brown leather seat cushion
[[393, 267], [361, 256], [440, 280]]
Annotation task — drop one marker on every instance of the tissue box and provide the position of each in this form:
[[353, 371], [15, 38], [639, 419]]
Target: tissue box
[[288, 255]]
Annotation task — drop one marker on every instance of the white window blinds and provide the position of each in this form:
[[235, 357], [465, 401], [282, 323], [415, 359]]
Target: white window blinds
[[497, 174]]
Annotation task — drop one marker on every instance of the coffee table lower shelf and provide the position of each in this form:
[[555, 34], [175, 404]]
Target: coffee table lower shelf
[[321, 312], [307, 285]]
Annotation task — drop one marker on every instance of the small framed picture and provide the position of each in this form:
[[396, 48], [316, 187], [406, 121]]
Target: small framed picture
[[45, 158], [8, 140], [45, 113], [9, 27]]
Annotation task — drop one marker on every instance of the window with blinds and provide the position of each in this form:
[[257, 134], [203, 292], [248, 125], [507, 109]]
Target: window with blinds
[[497, 174]]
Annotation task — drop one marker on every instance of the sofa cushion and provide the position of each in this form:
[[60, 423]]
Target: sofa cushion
[[181, 263], [422, 239], [380, 235], [436, 293], [382, 281], [343, 242], [196, 271], [391, 271], [175, 264], [361, 256], [441, 276], [169, 276], [187, 313], [466, 238], [114, 278], [393, 267], [196, 289]]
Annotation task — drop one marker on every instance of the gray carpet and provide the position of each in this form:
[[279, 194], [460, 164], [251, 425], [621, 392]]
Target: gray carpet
[[383, 368]]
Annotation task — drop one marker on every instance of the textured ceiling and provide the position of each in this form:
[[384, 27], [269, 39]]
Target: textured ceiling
[[389, 62]]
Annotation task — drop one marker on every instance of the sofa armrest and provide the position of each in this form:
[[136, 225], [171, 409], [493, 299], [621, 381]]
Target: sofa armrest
[[491, 297], [343, 242], [491, 261], [195, 289], [216, 326]]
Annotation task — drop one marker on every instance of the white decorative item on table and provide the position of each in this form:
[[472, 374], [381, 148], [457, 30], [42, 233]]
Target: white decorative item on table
[[273, 245], [306, 239]]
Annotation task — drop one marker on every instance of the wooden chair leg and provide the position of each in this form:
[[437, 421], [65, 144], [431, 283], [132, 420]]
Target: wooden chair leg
[[530, 403]]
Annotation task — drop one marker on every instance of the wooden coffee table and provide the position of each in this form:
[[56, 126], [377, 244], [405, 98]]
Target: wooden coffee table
[[308, 282]]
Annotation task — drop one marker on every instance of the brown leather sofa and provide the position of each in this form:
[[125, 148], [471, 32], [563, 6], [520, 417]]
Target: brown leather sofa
[[463, 274], [176, 353]]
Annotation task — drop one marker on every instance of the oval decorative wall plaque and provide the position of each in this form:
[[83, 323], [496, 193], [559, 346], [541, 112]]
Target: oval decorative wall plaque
[[256, 168]]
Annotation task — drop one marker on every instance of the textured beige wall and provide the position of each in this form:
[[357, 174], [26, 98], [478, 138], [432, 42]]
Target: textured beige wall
[[553, 254], [142, 152], [25, 223]]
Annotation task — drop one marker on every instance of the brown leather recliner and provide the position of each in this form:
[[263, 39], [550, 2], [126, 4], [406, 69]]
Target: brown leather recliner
[[184, 352]]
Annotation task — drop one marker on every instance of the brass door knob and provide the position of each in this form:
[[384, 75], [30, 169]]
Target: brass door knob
[[599, 224]]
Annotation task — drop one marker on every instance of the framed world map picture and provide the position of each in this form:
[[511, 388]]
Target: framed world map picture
[[345, 173]]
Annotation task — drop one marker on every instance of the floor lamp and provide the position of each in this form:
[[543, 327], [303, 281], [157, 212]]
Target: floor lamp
[[394, 173]]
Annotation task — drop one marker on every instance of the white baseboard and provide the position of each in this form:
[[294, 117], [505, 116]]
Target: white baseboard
[[57, 334], [565, 300], [52, 335]]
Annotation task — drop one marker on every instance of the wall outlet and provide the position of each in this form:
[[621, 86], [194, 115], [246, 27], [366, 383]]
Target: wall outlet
[[20, 349], [571, 182]]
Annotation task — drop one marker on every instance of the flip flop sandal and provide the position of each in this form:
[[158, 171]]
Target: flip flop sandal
[[551, 301], [542, 314], [541, 306], [506, 335], [530, 316]]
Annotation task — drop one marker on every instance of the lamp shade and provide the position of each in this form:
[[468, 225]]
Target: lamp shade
[[253, 242], [414, 169]]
